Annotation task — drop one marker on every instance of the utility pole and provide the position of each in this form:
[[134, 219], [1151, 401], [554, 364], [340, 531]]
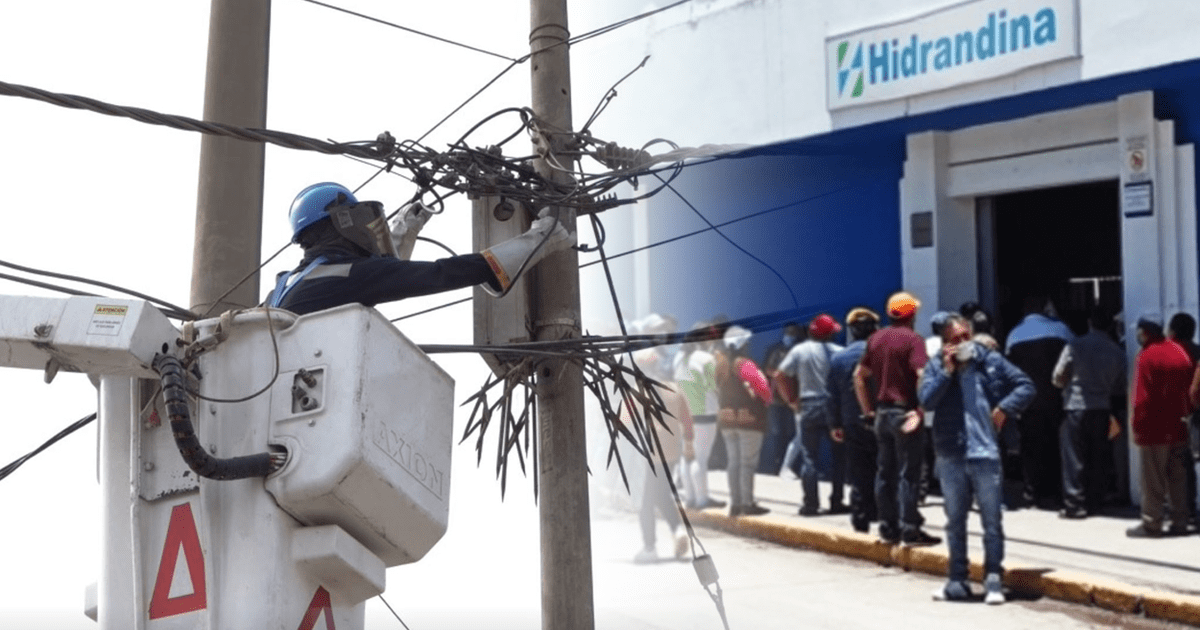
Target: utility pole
[[228, 240], [554, 312]]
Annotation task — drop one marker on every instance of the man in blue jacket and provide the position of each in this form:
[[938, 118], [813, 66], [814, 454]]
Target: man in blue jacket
[[350, 256], [846, 424], [972, 392]]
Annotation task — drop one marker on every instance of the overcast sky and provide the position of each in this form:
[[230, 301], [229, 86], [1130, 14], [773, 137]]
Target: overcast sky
[[114, 200]]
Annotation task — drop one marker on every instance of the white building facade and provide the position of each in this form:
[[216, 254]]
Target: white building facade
[[963, 151]]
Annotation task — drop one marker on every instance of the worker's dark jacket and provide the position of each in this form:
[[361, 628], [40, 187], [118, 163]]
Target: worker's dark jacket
[[841, 403], [346, 278]]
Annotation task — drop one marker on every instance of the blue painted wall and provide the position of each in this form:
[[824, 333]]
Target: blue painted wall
[[824, 238]]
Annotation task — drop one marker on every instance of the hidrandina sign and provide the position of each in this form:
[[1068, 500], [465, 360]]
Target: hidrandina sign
[[959, 44]]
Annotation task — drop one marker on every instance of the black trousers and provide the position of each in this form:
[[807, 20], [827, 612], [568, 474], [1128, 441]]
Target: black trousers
[[1040, 454], [862, 454]]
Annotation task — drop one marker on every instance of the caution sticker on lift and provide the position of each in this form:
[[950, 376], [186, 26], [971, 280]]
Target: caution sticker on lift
[[107, 319]]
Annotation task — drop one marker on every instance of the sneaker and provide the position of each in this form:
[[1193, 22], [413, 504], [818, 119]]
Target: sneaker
[[809, 510], [754, 509], [646, 556], [1178, 531], [918, 536], [995, 590], [681, 543], [888, 534], [1142, 532], [953, 591]]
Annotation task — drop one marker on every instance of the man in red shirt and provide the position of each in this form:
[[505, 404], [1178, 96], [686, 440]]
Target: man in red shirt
[[893, 361], [1160, 403]]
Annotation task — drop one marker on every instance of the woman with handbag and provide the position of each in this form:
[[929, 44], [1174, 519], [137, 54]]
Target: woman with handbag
[[742, 395]]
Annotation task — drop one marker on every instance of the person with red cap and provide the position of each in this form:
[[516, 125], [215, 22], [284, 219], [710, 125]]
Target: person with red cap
[[808, 363], [894, 360]]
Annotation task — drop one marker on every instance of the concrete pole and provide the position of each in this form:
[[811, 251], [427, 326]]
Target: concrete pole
[[554, 312], [229, 203]]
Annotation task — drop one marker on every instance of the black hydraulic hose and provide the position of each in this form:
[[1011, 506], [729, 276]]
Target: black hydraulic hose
[[174, 379]]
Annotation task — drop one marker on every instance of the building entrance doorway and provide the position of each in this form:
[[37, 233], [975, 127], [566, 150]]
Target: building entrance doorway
[[1062, 244], [1095, 197]]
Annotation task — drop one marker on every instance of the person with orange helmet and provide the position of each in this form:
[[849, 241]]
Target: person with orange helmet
[[894, 360]]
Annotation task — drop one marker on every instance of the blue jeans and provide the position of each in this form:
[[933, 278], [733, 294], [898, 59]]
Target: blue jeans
[[899, 476], [780, 431], [962, 480], [812, 428]]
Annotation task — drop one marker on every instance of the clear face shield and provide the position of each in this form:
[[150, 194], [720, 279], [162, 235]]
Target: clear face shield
[[365, 225]]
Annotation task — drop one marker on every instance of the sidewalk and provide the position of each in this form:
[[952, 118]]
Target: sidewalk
[[1088, 561]]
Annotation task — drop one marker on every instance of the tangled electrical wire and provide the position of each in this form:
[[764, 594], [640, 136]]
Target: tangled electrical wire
[[487, 172], [630, 401]]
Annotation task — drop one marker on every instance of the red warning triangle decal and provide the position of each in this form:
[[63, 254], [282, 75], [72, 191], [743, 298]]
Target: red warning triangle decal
[[181, 532], [320, 604]]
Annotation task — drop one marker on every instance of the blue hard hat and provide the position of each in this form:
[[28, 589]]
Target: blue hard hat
[[309, 206]]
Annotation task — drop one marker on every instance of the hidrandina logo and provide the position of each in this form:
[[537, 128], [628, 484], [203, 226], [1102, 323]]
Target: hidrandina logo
[[890, 55], [855, 68]]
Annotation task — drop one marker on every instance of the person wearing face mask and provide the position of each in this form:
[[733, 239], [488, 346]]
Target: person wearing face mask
[[972, 391], [846, 426], [809, 363]]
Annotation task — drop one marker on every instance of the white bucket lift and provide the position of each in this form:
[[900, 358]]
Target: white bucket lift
[[364, 416]]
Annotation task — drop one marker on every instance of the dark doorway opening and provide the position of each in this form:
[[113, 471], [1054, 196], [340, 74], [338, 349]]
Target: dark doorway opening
[[1061, 243]]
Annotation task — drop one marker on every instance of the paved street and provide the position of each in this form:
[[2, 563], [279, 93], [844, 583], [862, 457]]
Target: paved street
[[765, 586]]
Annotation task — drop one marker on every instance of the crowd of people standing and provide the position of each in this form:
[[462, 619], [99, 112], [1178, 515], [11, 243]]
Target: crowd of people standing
[[895, 416]]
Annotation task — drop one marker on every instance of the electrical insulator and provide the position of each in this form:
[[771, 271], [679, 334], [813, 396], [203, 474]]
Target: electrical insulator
[[620, 158]]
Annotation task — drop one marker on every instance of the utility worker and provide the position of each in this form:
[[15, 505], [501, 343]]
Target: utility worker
[[351, 256]]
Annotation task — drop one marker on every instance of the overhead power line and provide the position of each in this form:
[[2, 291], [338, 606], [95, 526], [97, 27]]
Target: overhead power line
[[368, 150], [573, 40], [20, 461], [411, 30], [170, 309], [626, 22]]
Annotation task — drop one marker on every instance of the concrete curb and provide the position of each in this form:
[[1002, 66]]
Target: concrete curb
[[1065, 586]]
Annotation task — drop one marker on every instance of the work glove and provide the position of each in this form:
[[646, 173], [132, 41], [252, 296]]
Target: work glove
[[546, 236], [408, 225]]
